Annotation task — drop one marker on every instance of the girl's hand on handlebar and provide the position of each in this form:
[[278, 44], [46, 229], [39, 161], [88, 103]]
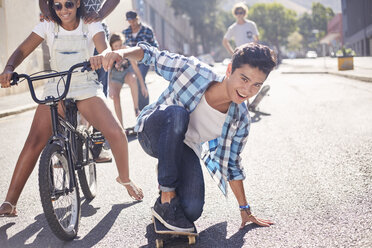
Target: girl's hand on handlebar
[[96, 62], [5, 78]]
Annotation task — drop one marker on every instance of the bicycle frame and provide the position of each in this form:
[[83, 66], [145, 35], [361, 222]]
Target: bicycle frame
[[69, 124]]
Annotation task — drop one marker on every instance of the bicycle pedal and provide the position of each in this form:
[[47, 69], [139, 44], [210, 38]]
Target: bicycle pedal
[[98, 138]]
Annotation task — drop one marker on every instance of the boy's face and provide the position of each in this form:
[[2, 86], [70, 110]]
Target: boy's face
[[244, 82], [239, 14]]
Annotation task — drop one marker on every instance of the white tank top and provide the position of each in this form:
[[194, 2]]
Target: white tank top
[[205, 124]]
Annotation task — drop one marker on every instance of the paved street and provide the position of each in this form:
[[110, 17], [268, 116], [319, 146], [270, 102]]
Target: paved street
[[308, 162]]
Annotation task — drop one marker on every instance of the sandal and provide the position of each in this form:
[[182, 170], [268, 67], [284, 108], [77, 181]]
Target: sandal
[[13, 212], [134, 188]]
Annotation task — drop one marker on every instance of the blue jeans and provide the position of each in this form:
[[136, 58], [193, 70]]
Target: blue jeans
[[179, 167]]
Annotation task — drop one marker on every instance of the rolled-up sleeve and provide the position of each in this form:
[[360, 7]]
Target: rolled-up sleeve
[[235, 168]]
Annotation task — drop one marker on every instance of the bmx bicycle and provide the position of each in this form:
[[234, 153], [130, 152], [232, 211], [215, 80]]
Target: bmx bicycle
[[66, 157]]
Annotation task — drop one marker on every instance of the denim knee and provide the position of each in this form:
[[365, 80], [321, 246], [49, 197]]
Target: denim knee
[[178, 117], [193, 210]]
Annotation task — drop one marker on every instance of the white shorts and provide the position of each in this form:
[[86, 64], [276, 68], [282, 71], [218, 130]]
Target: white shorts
[[81, 87]]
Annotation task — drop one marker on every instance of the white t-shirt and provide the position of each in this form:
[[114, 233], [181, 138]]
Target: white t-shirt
[[205, 124], [242, 33], [46, 31]]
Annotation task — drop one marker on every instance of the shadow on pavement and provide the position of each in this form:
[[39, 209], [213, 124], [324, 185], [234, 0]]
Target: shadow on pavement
[[45, 238], [257, 116], [214, 236]]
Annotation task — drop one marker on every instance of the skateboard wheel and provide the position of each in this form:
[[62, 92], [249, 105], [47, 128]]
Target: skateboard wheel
[[159, 243], [192, 240]]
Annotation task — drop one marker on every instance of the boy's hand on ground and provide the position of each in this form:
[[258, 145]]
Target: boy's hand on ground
[[248, 217]]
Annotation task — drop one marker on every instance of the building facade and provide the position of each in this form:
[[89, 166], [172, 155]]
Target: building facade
[[334, 38], [173, 33], [357, 25]]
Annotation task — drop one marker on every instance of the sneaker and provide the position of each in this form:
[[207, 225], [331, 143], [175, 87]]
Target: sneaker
[[171, 215], [104, 157]]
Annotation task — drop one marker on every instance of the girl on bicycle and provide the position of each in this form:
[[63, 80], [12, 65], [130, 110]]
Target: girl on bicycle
[[127, 72], [70, 41]]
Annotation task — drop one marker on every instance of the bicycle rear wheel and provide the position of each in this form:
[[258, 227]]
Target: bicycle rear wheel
[[87, 174], [60, 201]]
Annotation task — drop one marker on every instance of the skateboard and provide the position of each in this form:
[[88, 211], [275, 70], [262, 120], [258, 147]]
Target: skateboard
[[130, 131], [172, 235], [263, 92]]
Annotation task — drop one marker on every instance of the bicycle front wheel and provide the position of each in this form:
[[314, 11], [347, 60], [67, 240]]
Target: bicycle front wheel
[[60, 200]]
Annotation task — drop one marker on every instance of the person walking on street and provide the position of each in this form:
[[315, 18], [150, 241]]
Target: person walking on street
[[201, 115], [70, 41], [242, 31], [127, 72], [136, 32]]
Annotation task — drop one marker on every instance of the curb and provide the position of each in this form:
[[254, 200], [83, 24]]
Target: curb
[[360, 78], [17, 110]]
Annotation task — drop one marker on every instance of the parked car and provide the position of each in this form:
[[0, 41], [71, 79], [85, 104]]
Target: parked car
[[311, 54]]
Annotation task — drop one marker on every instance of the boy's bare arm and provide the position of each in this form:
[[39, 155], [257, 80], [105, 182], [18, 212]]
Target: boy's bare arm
[[132, 53]]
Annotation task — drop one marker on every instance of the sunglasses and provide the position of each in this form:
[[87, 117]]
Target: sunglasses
[[239, 13], [59, 6]]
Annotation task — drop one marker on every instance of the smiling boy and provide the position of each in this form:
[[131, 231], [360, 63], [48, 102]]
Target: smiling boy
[[201, 115]]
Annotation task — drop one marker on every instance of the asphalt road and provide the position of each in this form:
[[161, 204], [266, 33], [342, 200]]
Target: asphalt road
[[308, 164]]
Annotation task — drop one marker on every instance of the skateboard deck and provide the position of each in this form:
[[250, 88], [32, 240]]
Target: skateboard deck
[[130, 131], [167, 235], [258, 98]]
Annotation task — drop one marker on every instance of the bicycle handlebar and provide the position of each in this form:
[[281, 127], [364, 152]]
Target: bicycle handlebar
[[16, 77]]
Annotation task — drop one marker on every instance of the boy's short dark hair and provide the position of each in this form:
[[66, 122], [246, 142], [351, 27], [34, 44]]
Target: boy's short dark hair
[[80, 13], [255, 55]]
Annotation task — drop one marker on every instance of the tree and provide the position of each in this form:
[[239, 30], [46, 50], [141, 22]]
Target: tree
[[305, 25], [295, 41], [320, 17], [274, 21]]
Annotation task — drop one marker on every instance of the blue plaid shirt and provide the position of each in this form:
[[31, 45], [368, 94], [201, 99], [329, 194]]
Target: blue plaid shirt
[[144, 34], [188, 80]]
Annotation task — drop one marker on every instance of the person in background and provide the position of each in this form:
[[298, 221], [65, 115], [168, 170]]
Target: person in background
[[136, 32], [96, 11], [126, 72], [242, 31]]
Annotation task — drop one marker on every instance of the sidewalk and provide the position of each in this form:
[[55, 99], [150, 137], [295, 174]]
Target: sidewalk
[[362, 67], [21, 102]]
